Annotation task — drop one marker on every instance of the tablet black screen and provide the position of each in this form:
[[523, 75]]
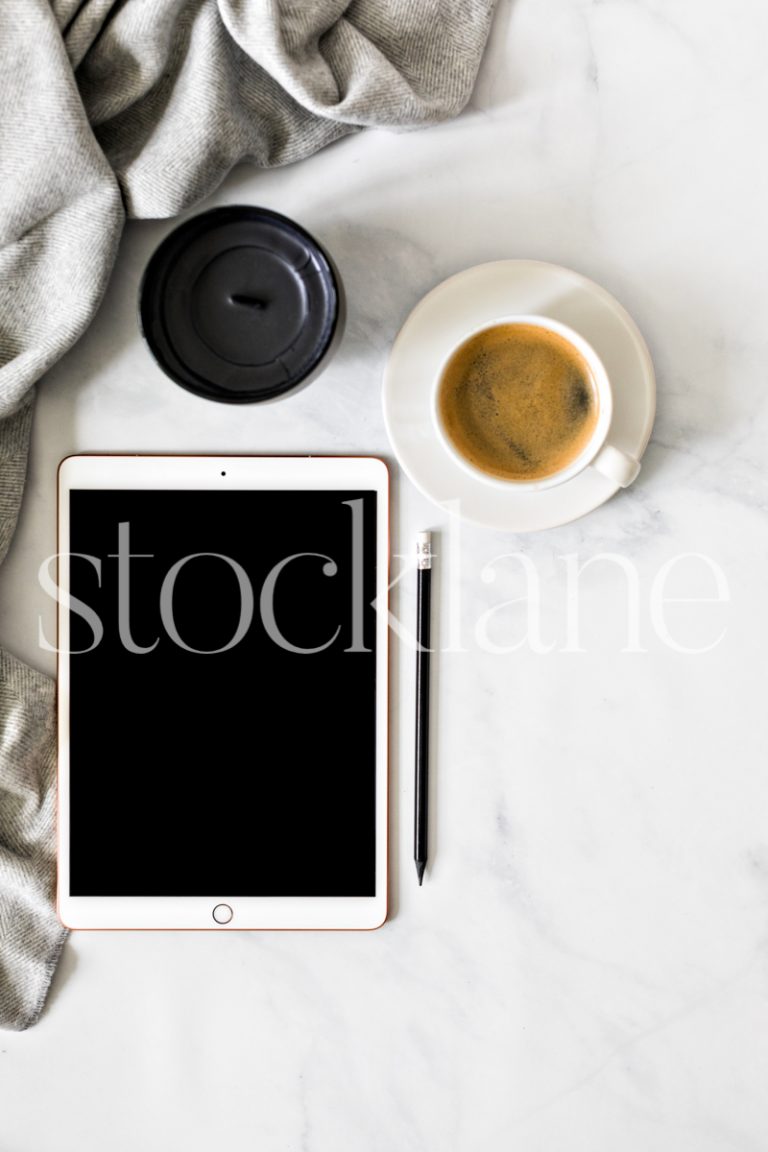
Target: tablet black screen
[[248, 771]]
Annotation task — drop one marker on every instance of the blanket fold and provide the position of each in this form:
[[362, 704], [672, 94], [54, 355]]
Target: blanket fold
[[111, 108]]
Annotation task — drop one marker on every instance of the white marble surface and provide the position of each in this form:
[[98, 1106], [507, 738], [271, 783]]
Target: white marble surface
[[586, 967]]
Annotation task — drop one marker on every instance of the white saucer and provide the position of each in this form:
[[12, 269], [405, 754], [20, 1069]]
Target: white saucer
[[470, 299]]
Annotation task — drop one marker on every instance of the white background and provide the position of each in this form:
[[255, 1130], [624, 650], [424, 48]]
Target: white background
[[586, 965]]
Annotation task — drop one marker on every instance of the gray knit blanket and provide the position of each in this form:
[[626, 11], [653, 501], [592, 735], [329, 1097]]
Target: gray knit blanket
[[111, 108]]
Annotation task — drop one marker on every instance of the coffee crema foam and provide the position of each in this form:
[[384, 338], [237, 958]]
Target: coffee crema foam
[[518, 401]]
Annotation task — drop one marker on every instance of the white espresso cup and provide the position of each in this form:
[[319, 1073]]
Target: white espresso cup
[[599, 453]]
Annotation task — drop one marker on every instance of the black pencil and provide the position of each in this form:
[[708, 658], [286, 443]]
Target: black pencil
[[421, 791]]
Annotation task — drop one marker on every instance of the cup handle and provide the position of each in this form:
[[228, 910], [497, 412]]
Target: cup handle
[[616, 465]]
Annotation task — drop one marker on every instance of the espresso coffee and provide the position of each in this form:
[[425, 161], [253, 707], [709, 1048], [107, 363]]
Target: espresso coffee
[[518, 401]]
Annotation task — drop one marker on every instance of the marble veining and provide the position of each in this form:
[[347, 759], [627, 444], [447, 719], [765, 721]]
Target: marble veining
[[586, 966]]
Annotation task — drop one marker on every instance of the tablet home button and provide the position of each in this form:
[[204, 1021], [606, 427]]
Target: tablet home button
[[222, 913]]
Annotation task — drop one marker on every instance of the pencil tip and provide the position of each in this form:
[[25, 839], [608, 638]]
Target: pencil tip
[[420, 866]]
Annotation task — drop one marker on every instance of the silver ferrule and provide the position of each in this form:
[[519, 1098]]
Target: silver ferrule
[[424, 550]]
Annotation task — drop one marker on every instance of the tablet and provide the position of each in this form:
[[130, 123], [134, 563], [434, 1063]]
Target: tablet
[[222, 640]]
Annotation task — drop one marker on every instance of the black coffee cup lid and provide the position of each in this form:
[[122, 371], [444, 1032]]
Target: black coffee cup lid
[[240, 304]]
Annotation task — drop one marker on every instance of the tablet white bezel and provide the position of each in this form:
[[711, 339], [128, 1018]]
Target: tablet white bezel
[[235, 473]]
